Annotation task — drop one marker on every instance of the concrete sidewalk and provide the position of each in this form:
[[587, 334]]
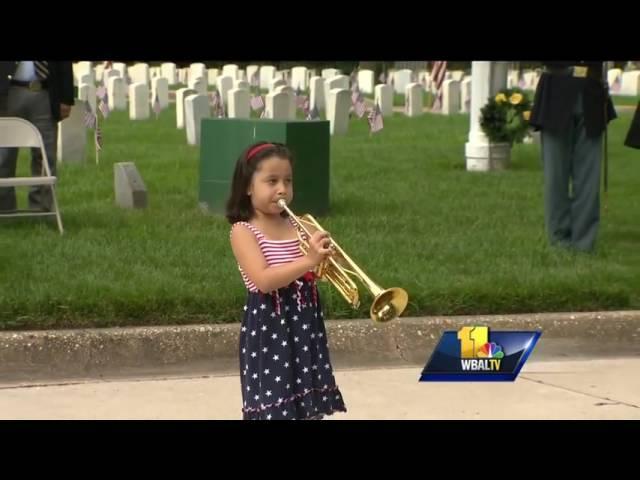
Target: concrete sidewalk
[[575, 389], [54, 355]]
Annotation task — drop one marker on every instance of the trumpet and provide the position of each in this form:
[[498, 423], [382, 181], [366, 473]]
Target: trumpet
[[338, 269]]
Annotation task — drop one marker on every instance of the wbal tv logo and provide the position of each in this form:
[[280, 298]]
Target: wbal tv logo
[[474, 354]]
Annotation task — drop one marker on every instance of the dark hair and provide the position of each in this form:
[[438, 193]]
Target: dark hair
[[239, 207]]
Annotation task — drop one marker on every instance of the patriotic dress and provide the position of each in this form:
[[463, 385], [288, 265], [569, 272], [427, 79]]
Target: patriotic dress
[[285, 369]]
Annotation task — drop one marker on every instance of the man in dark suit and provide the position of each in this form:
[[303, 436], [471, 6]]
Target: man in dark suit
[[633, 135], [42, 93], [572, 108]]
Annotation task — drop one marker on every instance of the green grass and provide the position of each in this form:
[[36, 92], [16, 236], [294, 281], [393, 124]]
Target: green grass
[[403, 207]]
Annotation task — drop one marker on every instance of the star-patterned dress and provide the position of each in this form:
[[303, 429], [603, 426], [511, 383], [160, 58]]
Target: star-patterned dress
[[285, 369]]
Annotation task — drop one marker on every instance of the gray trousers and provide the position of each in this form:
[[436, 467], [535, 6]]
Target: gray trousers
[[571, 163], [34, 107]]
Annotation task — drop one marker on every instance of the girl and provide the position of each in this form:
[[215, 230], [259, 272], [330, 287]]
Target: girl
[[285, 368]]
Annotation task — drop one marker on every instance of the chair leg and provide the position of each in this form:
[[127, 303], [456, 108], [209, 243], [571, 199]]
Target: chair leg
[[55, 206]]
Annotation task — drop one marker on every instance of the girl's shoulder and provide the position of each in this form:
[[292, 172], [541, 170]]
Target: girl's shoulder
[[247, 225]]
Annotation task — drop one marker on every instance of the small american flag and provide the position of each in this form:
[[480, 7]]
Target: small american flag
[[257, 102], [101, 92], [375, 119], [353, 78], [615, 86], [438, 74], [157, 108], [300, 98], [104, 105], [357, 100], [89, 117]]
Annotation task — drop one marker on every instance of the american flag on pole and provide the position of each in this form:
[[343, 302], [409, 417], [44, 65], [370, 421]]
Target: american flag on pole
[[438, 73], [257, 102], [98, 135], [314, 114], [357, 101], [218, 104], [375, 119], [104, 106], [615, 86], [89, 117], [300, 98], [157, 108]]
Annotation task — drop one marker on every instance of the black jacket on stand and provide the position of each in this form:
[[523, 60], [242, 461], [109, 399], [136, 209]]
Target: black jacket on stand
[[633, 135], [556, 96]]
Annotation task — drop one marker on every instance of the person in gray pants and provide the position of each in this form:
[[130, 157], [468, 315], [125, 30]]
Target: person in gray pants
[[571, 109], [41, 92]]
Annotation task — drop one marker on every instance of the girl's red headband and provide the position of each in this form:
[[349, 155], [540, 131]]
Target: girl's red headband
[[257, 149]]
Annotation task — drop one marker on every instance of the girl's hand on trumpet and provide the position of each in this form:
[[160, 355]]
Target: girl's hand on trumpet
[[319, 247]]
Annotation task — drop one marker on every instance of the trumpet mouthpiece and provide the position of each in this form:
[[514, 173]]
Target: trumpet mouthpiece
[[282, 202]]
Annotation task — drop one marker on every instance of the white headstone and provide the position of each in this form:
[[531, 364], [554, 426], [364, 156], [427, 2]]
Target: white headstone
[[196, 107], [139, 73], [168, 71], [197, 70], [160, 85], [401, 79], [450, 97], [299, 78], [199, 84], [72, 135], [109, 74], [612, 75], [239, 103], [267, 72], [316, 93], [366, 82], [181, 94], [98, 72], [117, 92], [529, 77], [252, 70], [630, 83], [383, 96], [339, 81], [424, 78], [231, 70], [292, 99], [242, 84], [138, 101], [86, 79], [212, 76], [338, 105], [224, 84], [277, 106], [121, 68], [275, 83], [80, 69], [87, 92], [241, 75], [328, 73], [413, 99], [465, 95], [513, 76], [457, 75]]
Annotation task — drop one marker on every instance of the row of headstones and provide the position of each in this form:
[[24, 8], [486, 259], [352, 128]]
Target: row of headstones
[[624, 82]]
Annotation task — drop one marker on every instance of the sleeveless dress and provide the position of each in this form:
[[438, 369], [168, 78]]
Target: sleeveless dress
[[285, 369]]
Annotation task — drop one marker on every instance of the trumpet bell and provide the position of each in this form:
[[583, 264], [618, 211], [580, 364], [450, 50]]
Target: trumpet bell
[[388, 305]]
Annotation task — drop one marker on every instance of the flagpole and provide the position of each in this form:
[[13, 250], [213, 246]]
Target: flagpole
[[95, 138]]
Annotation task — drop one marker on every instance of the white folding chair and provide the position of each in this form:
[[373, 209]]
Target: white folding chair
[[17, 132]]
